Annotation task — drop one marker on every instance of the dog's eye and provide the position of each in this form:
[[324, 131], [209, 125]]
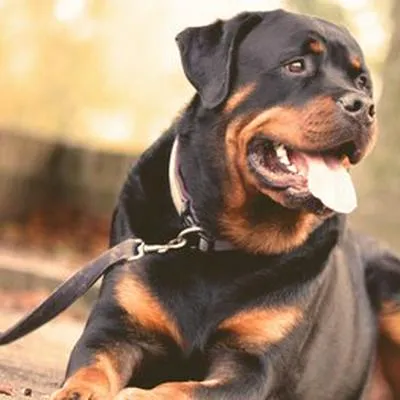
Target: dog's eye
[[296, 66], [362, 82]]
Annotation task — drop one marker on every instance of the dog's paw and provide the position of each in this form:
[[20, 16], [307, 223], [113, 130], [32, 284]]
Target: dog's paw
[[134, 393], [166, 391], [79, 393]]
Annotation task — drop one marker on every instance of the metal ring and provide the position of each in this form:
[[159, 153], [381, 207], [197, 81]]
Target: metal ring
[[177, 243], [139, 251], [188, 231], [154, 248]]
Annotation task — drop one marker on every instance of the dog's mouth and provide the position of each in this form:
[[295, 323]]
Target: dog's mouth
[[319, 180]]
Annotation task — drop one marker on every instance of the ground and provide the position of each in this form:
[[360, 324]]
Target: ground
[[37, 361]]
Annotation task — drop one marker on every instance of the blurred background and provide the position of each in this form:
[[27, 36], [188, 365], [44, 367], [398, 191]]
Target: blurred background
[[86, 85]]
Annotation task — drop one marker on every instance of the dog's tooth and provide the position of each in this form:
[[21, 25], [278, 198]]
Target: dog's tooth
[[284, 160], [281, 151], [292, 168], [282, 155]]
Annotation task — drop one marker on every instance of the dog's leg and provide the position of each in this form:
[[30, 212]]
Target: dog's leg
[[127, 325], [102, 361], [233, 375], [102, 377]]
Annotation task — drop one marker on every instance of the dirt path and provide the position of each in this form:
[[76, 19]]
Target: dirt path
[[38, 361]]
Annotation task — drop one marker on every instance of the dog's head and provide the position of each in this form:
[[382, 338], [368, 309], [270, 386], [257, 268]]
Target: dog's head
[[286, 102]]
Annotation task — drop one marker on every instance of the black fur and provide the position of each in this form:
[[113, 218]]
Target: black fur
[[338, 279]]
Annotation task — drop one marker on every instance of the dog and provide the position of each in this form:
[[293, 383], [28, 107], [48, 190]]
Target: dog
[[272, 297]]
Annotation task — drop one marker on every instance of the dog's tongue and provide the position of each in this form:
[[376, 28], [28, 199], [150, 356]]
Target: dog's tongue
[[329, 181]]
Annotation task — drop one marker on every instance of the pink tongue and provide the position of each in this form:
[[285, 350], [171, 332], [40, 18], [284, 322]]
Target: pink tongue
[[330, 182]]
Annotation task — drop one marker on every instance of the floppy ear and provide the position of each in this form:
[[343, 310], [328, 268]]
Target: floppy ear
[[207, 54]]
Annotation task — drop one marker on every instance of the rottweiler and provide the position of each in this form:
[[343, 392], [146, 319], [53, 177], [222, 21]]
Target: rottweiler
[[272, 297]]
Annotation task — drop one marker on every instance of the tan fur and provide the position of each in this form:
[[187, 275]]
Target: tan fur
[[385, 383], [239, 97], [283, 230], [101, 379], [389, 321], [389, 364], [316, 46], [379, 388], [307, 129], [170, 390], [144, 308], [281, 233], [355, 63], [262, 327]]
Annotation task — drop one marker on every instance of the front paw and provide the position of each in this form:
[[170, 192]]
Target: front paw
[[166, 391], [80, 393], [136, 394]]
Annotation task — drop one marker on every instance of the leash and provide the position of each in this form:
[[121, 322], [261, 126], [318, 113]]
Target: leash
[[79, 283], [127, 251]]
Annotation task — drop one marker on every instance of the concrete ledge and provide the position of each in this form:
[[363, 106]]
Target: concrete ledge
[[89, 179]]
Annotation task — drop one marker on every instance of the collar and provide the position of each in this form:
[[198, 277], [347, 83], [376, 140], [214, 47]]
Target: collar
[[184, 205]]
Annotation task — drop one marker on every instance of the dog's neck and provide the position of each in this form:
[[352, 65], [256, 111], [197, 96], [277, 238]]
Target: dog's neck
[[184, 205]]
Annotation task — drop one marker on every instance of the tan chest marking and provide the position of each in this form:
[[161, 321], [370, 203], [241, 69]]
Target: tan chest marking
[[261, 327], [144, 307]]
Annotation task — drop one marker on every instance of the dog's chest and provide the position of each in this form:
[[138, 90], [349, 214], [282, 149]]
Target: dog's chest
[[259, 307], [225, 297], [198, 306]]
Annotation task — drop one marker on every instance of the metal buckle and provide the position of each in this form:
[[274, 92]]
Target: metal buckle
[[180, 241]]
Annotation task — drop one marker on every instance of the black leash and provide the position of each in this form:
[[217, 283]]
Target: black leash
[[79, 283], [129, 250], [70, 290]]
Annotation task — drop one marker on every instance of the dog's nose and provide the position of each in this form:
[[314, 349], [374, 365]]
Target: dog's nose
[[357, 106]]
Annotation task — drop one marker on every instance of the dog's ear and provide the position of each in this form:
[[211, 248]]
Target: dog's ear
[[207, 54]]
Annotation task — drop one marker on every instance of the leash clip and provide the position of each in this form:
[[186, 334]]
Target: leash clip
[[180, 241]]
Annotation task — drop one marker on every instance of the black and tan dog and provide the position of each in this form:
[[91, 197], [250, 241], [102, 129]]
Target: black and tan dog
[[277, 299]]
